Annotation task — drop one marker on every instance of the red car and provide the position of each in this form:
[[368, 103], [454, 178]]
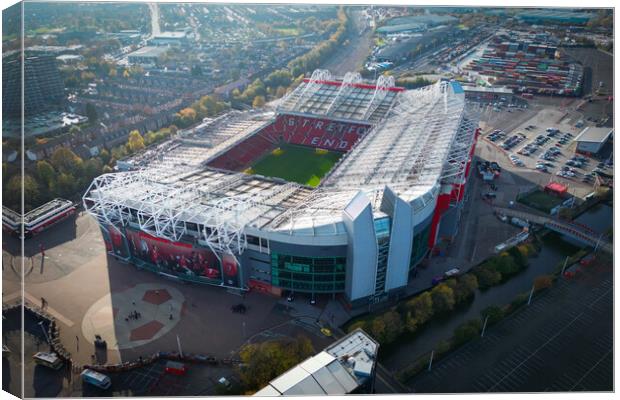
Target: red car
[[175, 368]]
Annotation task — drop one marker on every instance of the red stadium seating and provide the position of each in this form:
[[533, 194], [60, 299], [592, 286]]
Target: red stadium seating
[[312, 132]]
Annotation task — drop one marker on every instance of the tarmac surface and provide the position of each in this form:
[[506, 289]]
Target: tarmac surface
[[562, 342]]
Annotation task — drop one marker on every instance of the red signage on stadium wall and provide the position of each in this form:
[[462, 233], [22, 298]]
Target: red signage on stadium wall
[[162, 240], [318, 132], [174, 256]]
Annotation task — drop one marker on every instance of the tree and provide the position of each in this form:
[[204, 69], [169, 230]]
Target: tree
[[91, 112], [443, 298], [494, 313], [418, 311], [264, 361], [65, 185], [464, 288], [386, 327], [45, 172], [31, 192], [65, 161], [259, 101], [12, 193], [487, 276], [393, 326], [135, 141], [467, 331], [74, 130], [104, 155], [542, 282]]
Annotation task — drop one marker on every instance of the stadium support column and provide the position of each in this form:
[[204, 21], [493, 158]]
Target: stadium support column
[[401, 239], [443, 203], [362, 248]]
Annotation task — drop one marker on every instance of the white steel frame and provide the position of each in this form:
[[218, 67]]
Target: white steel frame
[[425, 139]]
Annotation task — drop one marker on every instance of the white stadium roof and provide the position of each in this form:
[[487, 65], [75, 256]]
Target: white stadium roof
[[420, 138]]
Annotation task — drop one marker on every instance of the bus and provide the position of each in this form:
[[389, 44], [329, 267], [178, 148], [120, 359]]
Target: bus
[[39, 219], [96, 378], [50, 360]]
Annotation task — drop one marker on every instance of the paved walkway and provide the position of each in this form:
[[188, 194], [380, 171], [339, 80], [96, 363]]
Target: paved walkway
[[159, 306]]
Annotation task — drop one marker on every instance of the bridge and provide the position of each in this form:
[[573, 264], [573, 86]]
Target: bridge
[[580, 232]]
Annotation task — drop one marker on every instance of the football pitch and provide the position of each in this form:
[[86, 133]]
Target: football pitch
[[299, 164]]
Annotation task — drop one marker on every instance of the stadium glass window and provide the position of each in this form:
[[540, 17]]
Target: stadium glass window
[[191, 226], [252, 240], [311, 274]]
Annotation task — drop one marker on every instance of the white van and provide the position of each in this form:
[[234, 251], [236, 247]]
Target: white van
[[50, 360], [96, 378]]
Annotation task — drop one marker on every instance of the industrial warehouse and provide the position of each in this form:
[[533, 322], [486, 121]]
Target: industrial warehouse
[[195, 208]]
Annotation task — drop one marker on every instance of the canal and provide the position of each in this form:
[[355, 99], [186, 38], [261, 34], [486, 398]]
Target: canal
[[553, 251]]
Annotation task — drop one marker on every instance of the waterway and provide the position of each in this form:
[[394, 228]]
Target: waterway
[[554, 250], [600, 218]]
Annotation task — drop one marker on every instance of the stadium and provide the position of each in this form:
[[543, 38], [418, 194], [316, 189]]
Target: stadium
[[341, 188]]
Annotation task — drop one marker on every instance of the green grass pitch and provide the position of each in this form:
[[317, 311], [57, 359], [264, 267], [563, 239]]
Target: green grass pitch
[[297, 164]]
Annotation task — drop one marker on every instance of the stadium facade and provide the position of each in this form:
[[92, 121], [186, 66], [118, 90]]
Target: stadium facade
[[190, 208]]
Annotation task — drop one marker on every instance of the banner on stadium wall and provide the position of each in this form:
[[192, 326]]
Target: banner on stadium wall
[[176, 257], [230, 269], [116, 242]]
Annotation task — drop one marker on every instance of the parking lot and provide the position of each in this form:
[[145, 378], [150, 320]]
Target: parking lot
[[542, 138], [563, 341]]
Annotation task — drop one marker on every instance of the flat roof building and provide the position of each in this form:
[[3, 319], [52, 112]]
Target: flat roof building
[[146, 55], [168, 38], [592, 139], [347, 366]]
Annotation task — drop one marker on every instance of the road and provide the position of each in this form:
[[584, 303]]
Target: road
[[563, 341], [352, 56], [154, 9]]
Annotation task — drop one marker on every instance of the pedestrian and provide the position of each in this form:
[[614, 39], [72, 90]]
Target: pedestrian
[[171, 317]]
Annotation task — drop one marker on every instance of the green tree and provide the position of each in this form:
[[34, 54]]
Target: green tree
[[45, 172], [135, 141], [443, 298], [487, 276], [494, 313], [65, 161], [31, 193], [264, 361], [467, 331], [393, 326], [104, 155], [418, 311], [66, 185]]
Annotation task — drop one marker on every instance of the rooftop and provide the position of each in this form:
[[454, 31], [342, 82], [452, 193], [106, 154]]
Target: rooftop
[[339, 369], [148, 51], [170, 35], [593, 134], [348, 99], [499, 90]]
